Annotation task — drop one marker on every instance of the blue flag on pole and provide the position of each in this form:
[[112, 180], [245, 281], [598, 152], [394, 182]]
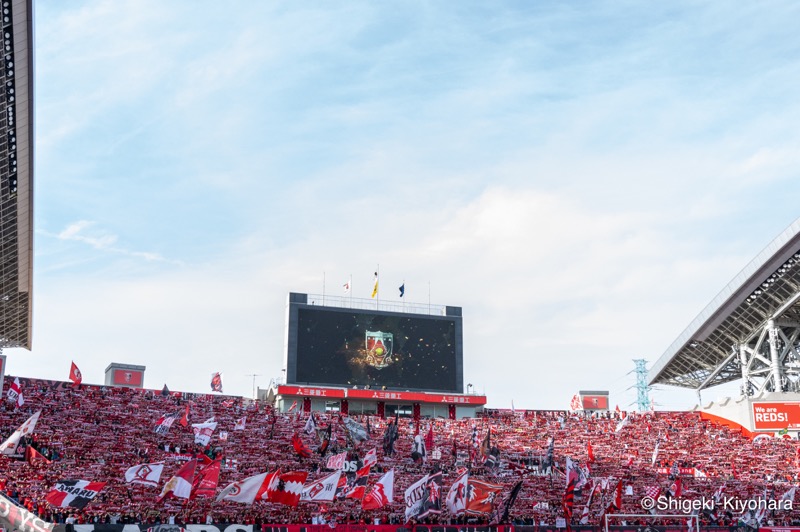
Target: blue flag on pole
[[402, 289]]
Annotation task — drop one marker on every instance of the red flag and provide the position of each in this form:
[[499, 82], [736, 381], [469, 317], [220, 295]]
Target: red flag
[[294, 405], [179, 485], [286, 488], [590, 451], [429, 438], [75, 375], [568, 502], [34, 457], [381, 493], [302, 449], [206, 480], [359, 484], [185, 418]]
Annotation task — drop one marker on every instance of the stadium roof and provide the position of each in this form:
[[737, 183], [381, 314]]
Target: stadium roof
[[16, 174], [767, 288]]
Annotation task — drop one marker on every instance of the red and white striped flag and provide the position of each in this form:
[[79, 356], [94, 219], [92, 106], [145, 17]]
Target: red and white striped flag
[[74, 493]]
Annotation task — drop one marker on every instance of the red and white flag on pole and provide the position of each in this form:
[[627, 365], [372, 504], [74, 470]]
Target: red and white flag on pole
[[285, 488], [206, 480], [321, 490], [34, 457], [74, 493], [147, 474], [294, 405], [10, 445], [15, 393], [371, 458], [246, 490], [180, 485], [75, 375], [381, 494]]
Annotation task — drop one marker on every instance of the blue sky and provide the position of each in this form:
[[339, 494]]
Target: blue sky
[[581, 178]]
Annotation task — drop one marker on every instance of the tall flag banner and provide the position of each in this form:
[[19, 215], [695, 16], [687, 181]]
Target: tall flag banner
[[216, 382], [203, 432], [418, 452], [325, 439], [381, 494], [590, 451], [413, 497], [10, 445], [348, 286], [180, 485], [205, 482], [548, 457], [432, 495], [285, 488], [622, 423], [429, 438], [359, 484], [586, 509], [568, 502], [146, 474], [164, 423], [572, 471], [375, 286], [15, 393], [357, 432], [474, 451], [655, 453], [509, 502], [245, 491], [34, 457], [311, 424], [74, 493], [75, 375], [240, 423], [481, 496], [575, 403], [185, 417], [486, 445], [300, 447], [390, 436], [371, 458], [14, 517], [321, 490], [457, 496], [675, 489], [403, 289]]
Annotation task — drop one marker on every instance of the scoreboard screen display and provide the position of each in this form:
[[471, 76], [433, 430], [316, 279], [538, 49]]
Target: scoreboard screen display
[[350, 347]]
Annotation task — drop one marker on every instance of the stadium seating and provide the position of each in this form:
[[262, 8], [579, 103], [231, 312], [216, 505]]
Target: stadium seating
[[96, 433]]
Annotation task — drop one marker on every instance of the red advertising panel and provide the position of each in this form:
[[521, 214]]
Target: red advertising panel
[[128, 377], [776, 416], [311, 391], [595, 402]]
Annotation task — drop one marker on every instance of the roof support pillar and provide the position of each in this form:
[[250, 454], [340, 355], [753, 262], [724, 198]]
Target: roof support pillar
[[775, 359]]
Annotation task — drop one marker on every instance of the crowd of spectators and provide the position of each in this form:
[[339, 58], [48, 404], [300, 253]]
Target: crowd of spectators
[[96, 433]]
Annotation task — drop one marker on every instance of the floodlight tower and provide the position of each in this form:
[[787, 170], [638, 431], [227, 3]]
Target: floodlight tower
[[642, 389]]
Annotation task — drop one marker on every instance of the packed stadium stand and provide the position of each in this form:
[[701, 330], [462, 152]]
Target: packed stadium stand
[[96, 433]]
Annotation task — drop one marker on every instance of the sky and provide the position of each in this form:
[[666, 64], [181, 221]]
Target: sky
[[581, 178]]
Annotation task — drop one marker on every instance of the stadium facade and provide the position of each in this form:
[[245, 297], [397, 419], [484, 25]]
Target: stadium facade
[[16, 175]]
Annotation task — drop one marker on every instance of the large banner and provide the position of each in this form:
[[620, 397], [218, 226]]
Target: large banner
[[13, 517], [776, 416]]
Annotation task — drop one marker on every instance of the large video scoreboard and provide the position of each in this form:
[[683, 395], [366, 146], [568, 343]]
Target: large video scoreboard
[[350, 347]]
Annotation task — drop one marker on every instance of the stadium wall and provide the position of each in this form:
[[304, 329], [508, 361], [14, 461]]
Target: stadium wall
[[770, 413]]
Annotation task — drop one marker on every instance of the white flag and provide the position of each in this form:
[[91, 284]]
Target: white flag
[[240, 423], [245, 490], [311, 424], [147, 474], [655, 453], [457, 496], [321, 490], [621, 425], [10, 445], [203, 432], [413, 498]]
